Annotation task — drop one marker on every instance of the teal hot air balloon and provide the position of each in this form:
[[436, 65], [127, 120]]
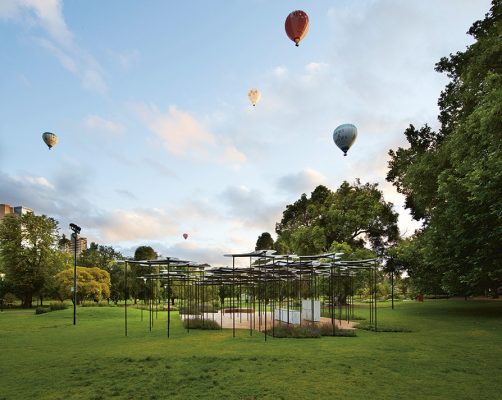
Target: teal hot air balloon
[[50, 139], [345, 136]]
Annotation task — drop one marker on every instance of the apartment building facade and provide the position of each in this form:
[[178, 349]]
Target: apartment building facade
[[6, 209]]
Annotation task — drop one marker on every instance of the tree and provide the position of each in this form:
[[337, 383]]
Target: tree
[[452, 178], [264, 242], [145, 253], [64, 243], [99, 256], [27, 246], [137, 287], [105, 257], [92, 283], [356, 214]]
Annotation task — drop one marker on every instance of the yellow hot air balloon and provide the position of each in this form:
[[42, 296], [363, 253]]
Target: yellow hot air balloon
[[254, 96], [50, 139]]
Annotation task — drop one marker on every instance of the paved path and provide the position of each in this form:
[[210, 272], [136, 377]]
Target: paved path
[[257, 321]]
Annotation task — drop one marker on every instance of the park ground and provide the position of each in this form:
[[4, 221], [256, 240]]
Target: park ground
[[452, 352]]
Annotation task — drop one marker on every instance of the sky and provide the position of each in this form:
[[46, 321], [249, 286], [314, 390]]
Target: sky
[[157, 136]]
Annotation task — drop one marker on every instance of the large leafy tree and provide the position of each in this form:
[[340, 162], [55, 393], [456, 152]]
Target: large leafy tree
[[105, 257], [355, 214], [264, 242], [136, 286], [99, 256], [452, 179], [29, 255], [92, 284]]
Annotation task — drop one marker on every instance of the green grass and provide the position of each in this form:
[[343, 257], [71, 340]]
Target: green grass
[[452, 352]]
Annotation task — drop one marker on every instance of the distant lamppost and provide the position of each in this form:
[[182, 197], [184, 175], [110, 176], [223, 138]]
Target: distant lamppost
[[76, 230], [2, 276]]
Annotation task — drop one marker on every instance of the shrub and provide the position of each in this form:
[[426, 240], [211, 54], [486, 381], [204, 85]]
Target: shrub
[[57, 306], [102, 303], [297, 332], [42, 310], [383, 328], [199, 323], [327, 330], [304, 332], [9, 298]]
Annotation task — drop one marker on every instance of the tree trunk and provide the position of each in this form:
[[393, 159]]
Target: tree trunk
[[27, 301]]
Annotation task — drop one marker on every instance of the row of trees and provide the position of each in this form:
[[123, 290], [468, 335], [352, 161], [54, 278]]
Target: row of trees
[[36, 262], [452, 177], [33, 266], [355, 220]]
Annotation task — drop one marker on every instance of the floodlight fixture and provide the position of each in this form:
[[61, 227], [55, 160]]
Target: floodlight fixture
[[75, 228]]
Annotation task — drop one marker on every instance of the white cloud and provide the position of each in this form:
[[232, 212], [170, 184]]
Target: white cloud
[[316, 67], [302, 182], [191, 250], [233, 156], [131, 225], [98, 123], [48, 15], [179, 131], [184, 135], [34, 180], [249, 208], [126, 59], [280, 71]]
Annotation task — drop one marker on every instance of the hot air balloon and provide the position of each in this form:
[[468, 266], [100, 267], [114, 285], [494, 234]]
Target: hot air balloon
[[254, 96], [50, 139], [297, 25], [344, 137], [185, 236]]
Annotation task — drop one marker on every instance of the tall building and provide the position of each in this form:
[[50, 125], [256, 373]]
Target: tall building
[[81, 244], [6, 209], [20, 210]]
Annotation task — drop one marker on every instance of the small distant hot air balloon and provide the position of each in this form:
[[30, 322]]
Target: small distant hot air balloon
[[297, 25], [344, 136], [254, 96], [185, 236], [50, 139]]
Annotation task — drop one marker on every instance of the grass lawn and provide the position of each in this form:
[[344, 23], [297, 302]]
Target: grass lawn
[[453, 352]]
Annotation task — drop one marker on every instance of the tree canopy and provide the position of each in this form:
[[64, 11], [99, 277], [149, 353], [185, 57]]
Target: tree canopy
[[264, 242], [355, 214], [29, 255], [92, 284], [452, 178], [145, 253]]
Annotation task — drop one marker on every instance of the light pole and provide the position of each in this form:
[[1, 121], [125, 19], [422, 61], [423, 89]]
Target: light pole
[[76, 230]]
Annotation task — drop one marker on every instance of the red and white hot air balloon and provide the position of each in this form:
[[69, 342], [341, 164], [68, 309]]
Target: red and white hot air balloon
[[185, 236], [297, 25]]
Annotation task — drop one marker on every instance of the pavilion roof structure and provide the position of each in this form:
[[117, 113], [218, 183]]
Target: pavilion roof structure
[[265, 266]]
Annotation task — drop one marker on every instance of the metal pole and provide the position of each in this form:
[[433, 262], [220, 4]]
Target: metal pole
[[125, 296], [392, 287], [376, 271], [169, 294], [75, 278], [233, 299]]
